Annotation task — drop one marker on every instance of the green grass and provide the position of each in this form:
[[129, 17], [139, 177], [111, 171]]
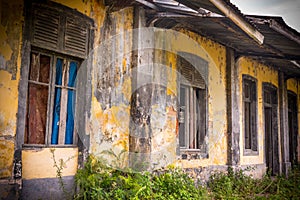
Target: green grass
[[98, 181]]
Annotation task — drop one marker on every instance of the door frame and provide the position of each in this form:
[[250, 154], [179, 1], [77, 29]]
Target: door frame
[[272, 104]]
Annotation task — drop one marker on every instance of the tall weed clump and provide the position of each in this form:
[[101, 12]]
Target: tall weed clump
[[98, 181]]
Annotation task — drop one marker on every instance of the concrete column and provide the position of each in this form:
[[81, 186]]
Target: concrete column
[[285, 164], [142, 89], [233, 108]]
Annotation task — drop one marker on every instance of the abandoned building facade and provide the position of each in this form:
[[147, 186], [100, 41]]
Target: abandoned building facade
[[195, 84]]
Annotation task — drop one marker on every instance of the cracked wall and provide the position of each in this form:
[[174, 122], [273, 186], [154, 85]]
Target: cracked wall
[[112, 91], [111, 85]]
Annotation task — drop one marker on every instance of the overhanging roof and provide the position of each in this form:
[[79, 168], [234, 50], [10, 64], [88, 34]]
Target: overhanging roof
[[281, 43]]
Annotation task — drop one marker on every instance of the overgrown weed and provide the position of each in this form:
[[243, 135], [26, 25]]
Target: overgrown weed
[[99, 181]]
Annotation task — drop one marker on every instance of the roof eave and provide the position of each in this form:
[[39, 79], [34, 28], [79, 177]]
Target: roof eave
[[239, 21]]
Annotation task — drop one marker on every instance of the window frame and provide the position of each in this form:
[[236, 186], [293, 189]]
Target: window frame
[[28, 47], [247, 79], [191, 88], [272, 91], [51, 94]]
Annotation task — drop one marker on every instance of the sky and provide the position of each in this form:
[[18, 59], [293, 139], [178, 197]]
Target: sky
[[289, 10]]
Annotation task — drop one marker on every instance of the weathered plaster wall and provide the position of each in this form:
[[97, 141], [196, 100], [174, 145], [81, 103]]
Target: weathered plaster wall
[[110, 118], [262, 73], [10, 49], [83, 6], [111, 84], [294, 86], [39, 162]]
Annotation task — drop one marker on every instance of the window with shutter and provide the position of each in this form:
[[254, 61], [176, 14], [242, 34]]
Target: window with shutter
[[250, 114], [192, 111], [59, 42]]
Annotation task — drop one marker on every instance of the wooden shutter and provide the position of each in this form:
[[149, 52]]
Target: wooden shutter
[[198, 80], [60, 30], [76, 36], [46, 29], [191, 76], [186, 73]]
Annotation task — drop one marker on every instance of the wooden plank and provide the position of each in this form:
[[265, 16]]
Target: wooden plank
[[202, 118], [187, 118], [192, 117], [34, 67], [283, 110], [63, 104]]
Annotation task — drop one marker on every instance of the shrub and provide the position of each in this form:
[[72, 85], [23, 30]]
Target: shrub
[[98, 181], [237, 185]]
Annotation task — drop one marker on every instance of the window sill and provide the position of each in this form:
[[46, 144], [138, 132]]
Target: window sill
[[249, 152], [37, 146], [192, 154]]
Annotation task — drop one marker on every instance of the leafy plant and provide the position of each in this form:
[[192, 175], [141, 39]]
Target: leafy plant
[[237, 185], [59, 166], [99, 181], [233, 185]]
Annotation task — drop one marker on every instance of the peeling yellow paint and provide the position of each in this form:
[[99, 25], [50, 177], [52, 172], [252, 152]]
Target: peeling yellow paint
[[6, 157], [39, 163], [292, 85], [110, 123], [126, 88], [9, 93], [5, 49], [10, 44], [80, 5], [171, 73], [98, 16], [215, 55]]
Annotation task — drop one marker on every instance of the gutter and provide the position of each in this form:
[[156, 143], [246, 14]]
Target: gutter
[[239, 21]]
